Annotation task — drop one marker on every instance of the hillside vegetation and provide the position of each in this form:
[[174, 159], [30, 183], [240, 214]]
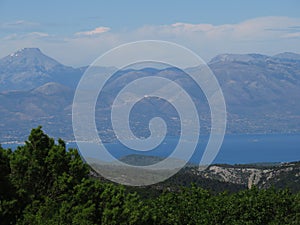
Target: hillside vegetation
[[44, 183]]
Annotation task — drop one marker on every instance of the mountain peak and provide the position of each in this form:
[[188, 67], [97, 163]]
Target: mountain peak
[[29, 57], [29, 68], [238, 58], [26, 51]]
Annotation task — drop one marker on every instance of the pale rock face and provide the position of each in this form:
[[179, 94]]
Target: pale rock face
[[250, 176]]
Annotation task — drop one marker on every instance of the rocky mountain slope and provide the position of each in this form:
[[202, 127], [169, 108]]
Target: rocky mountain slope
[[225, 177], [29, 68], [263, 176]]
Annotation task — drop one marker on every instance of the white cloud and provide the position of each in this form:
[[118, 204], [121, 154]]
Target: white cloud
[[31, 35], [192, 27], [96, 31], [38, 34], [266, 35], [17, 25], [252, 29]]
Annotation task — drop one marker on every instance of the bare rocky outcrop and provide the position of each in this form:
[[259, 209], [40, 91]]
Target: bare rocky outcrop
[[261, 176]]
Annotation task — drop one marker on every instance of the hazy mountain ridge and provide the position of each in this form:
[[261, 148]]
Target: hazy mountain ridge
[[37, 90]]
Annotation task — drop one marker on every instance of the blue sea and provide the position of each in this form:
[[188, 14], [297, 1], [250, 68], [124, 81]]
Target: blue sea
[[236, 149]]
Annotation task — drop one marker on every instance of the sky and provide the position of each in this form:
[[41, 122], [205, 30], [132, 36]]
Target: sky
[[77, 32]]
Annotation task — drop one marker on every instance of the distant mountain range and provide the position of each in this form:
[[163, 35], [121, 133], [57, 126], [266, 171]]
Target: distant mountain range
[[261, 92]]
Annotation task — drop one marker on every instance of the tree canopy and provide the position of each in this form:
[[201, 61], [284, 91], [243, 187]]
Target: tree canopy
[[42, 182]]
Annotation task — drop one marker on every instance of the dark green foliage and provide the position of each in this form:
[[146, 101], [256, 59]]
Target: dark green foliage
[[38, 170], [184, 178], [4, 173], [42, 168], [44, 183], [7, 201], [197, 206], [90, 202]]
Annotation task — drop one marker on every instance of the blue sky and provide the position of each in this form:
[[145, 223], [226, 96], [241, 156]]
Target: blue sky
[[76, 32]]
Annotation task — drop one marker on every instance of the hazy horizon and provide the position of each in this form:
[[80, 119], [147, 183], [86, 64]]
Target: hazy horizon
[[90, 29]]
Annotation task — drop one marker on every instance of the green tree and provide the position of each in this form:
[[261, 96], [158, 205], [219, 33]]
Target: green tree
[[8, 202], [5, 186], [44, 183], [41, 168]]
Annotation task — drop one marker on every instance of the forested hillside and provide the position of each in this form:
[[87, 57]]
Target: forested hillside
[[44, 183]]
